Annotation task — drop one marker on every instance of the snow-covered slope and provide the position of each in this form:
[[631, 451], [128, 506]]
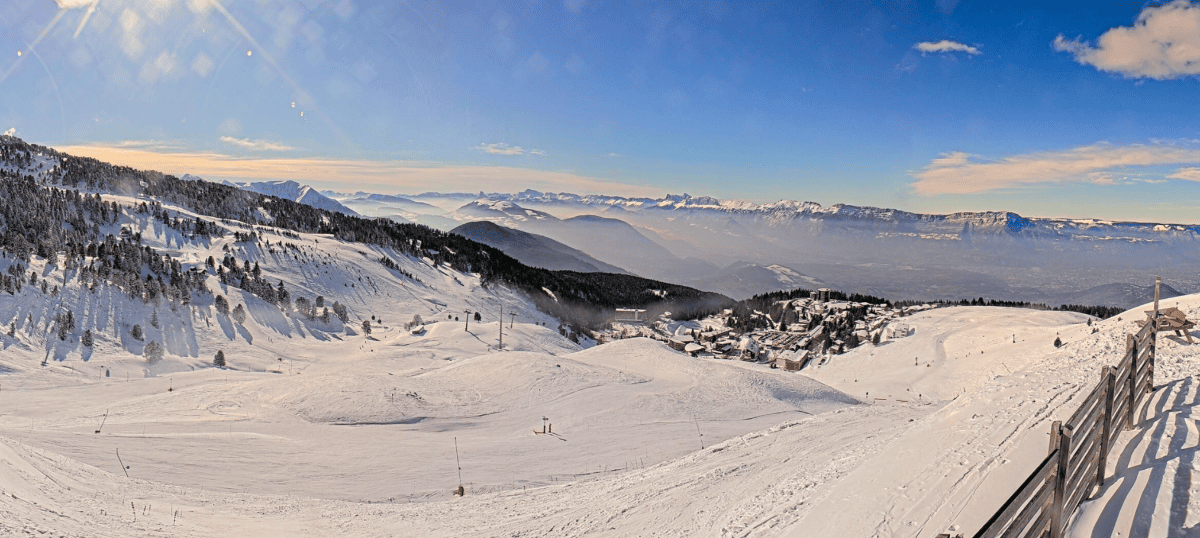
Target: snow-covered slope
[[291, 190], [940, 442]]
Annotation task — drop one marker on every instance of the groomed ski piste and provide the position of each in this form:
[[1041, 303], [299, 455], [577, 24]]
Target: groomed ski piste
[[316, 429]]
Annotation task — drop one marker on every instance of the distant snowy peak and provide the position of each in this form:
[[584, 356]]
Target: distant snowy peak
[[785, 212], [291, 190], [504, 209]]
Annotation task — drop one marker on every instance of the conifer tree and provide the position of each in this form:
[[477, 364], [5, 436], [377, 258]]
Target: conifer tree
[[153, 352]]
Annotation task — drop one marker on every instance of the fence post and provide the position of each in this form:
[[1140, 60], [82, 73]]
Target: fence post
[[1107, 377], [1132, 346], [1151, 357], [1060, 440]]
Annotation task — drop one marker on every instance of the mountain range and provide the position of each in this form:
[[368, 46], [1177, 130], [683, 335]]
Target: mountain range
[[702, 241], [532, 249]]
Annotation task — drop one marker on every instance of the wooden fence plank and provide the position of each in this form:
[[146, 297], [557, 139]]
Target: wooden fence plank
[[1082, 483], [1132, 383], [1106, 375], [1088, 406], [1001, 519], [1085, 446], [1035, 509], [1058, 517]]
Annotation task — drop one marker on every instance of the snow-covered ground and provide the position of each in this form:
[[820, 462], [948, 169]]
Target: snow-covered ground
[[317, 429]]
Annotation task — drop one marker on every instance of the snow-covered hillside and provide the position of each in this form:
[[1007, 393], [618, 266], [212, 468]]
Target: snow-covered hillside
[[357, 435], [290, 190], [335, 414]]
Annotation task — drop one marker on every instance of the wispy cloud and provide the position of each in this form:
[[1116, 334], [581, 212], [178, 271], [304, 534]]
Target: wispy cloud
[[539, 152], [387, 176], [150, 144], [1101, 163], [613, 155], [500, 148], [256, 145], [945, 46], [1163, 43], [1187, 174], [73, 4]]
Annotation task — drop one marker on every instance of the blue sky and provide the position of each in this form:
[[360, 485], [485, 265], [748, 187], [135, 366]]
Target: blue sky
[[1075, 110]]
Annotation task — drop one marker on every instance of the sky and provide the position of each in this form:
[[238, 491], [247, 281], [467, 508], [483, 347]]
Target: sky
[[1083, 110]]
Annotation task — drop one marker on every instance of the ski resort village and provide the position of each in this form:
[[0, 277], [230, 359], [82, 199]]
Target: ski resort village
[[188, 358], [800, 330]]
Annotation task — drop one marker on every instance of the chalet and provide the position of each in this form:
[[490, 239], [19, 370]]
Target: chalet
[[630, 315], [899, 330], [680, 343], [747, 349], [793, 362], [715, 335]]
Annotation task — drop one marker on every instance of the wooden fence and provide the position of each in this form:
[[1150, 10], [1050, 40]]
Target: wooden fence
[[1079, 448]]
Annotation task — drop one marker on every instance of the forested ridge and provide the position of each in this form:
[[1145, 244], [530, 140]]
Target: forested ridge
[[59, 212]]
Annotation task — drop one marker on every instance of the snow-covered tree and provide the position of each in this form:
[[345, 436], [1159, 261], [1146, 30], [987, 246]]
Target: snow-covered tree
[[153, 352], [136, 332], [154, 319], [222, 305], [366, 326], [339, 310], [219, 359], [87, 338], [416, 320], [303, 306], [239, 314], [66, 324]]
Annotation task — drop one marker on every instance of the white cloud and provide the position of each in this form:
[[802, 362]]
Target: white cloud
[[73, 4], [12, 131], [393, 176], [500, 148], [1187, 174], [159, 145], [256, 145], [1163, 43], [613, 155], [539, 152], [945, 45], [962, 173]]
